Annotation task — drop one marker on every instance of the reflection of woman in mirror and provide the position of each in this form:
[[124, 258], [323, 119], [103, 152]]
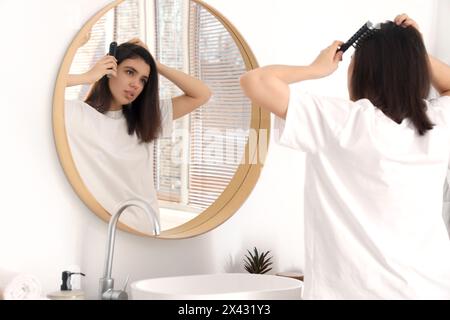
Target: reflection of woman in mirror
[[111, 133], [375, 166]]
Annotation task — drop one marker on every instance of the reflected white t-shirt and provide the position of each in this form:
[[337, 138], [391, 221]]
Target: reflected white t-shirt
[[114, 165], [373, 199]]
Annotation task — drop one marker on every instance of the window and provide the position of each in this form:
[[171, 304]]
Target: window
[[213, 137]]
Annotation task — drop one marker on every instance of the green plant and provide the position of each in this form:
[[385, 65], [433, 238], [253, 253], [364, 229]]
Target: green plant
[[256, 262]]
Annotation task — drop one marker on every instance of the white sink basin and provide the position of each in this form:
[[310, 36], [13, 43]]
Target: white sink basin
[[226, 286]]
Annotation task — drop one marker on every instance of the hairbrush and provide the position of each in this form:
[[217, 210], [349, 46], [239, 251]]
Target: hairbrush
[[112, 48], [112, 52], [366, 30]]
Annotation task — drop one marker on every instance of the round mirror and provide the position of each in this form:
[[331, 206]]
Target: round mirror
[[205, 161]]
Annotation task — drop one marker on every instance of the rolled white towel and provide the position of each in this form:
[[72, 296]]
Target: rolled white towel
[[19, 286]]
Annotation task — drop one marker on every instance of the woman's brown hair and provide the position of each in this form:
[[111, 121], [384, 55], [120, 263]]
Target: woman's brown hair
[[391, 69]]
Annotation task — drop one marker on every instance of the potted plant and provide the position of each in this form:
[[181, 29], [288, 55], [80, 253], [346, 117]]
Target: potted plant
[[258, 262]]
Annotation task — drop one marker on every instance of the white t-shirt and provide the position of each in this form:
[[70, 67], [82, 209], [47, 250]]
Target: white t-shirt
[[114, 165], [373, 199]]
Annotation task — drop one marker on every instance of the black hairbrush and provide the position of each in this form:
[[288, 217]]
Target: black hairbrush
[[112, 48], [112, 52], [366, 30]]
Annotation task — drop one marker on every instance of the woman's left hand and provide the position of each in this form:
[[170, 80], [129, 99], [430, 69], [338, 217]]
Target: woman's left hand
[[138, 42], [327, 61], [405, 21]]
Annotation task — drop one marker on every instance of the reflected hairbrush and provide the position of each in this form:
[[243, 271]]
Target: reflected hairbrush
[[112, 52], [112, 48], [366, 30]]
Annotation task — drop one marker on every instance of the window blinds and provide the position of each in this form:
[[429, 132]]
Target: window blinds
[[216, 132], [219, 130], [170, 48]]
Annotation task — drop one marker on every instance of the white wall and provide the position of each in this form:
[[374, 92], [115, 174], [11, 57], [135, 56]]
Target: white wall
[[45, 228], [442, 48]]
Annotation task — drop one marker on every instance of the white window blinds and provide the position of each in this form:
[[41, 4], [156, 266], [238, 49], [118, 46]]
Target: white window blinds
[[214, 136], [170, 49], [219, 130]]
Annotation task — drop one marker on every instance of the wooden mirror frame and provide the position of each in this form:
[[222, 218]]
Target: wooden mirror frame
[[234, 194]]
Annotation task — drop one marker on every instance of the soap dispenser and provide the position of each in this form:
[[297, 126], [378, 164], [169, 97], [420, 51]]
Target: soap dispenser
[[66, 292]]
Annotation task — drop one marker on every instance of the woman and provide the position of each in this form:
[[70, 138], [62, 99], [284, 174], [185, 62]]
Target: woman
[[111, 133], [375, 166]]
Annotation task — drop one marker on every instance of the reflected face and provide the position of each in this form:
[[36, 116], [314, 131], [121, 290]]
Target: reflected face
[[132, 75]]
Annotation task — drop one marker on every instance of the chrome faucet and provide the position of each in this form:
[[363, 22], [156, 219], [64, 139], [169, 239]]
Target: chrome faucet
[[106, 291]]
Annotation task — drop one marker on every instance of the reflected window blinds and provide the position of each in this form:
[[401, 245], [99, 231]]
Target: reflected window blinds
[[207, 148]]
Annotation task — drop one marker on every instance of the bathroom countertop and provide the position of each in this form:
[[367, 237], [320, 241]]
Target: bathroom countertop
[[293, 275]]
